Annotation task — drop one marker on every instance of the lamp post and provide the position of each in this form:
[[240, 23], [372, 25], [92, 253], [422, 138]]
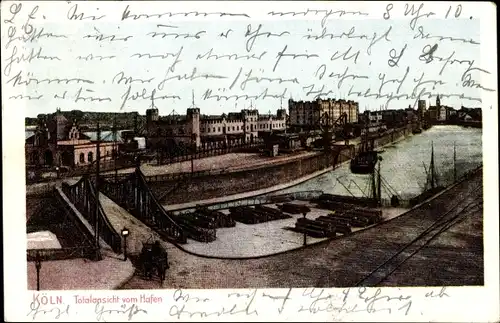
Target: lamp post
[[125, 234], [38, 266], [305, 235]]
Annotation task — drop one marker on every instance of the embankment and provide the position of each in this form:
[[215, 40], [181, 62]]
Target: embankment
[[207, 186]]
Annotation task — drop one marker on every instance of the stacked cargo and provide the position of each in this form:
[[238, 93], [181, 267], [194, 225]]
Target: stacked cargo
[[248, 215], [354, 220], [198, 219], [361, 201], [294, 208], [222, 220], [199, 230], [342, 226], [313, 228], [356, 215]]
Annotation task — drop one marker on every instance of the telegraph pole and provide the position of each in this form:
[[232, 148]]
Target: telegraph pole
[[454, 162], [98, 164], [115, 147], [379, 193]]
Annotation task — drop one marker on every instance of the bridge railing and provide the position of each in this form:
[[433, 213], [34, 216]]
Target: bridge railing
[[133, 194], [82, 195], [149, 208]]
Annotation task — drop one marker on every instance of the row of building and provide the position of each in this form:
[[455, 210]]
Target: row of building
[[58, 141], [433, 114], [200, 130], [248, 125]]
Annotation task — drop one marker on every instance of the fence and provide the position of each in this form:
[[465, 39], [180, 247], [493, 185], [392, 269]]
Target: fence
[[105, 166], [209, 152], [123, 163], [60, 253]]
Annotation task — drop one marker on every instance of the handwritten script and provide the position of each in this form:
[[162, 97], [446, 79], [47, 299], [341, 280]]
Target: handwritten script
[[39, 308], [254, 304], [309, 301], [88, 56]]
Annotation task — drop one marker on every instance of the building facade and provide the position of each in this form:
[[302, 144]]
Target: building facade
[[314, 114], [201, 131], [421, 109], [439, 112], [58, 142]]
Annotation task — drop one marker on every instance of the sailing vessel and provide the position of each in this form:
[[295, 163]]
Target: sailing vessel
[[432, 186], [364, 162]]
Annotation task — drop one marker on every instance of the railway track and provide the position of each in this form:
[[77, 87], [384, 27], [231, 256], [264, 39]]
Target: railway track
[[453, 216]]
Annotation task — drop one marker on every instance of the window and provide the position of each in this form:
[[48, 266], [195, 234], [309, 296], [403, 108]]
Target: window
[[214, 129], [238, 128], [208, 129], [82, 158], [218, 129], [90, 157], [233, 128], [108, 153]]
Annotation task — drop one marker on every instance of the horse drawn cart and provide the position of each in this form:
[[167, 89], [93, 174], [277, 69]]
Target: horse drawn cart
[[153, 260]]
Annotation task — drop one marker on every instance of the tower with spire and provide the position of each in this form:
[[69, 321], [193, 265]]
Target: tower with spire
[[193, 122]]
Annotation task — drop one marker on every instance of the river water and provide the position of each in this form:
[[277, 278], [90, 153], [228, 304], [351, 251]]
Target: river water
[[402, 168]]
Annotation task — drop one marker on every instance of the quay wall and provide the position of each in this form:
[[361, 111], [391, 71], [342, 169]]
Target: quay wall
[[208, 186]]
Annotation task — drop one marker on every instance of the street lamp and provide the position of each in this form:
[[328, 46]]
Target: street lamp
[[57, 171], [125, 233], [38, 266]]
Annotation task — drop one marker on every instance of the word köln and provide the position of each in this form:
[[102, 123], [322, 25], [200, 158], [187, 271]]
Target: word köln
[[148, 299]]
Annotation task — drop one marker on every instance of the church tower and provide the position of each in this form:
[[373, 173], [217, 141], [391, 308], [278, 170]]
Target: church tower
[[438, 101]]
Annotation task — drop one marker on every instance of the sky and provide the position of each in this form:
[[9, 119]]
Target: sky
[[357, 75]]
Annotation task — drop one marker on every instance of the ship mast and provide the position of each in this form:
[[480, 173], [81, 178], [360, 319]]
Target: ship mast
[[374, 186]]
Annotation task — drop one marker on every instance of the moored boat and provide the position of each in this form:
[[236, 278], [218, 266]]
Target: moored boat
[[364, 162]]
